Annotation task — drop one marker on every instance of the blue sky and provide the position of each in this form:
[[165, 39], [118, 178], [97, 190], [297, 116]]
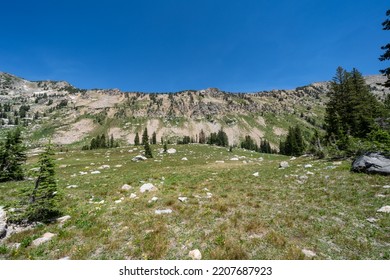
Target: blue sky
[[172, 45]]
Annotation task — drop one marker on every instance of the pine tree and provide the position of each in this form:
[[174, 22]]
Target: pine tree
[[145, 137], [12, 156], [202, 137], [165, 147], [44, 198], [112, 142], [154, 138], [136, 139], [386, 48], [148, 150]]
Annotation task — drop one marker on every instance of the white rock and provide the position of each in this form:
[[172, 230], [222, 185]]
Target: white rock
[[293, 158], [384, 209], [308, 166], [139, 158], [105, 166], [283, 164], [126, 187], [209, 195], [386, 187], [133, 195], [337, 162], [309, 173], [118, 201], [3, 222], [35, 169], [256, 174], [309, 253], [184, 158], [234, 159], [72, 186], [164, 211], [171, 151], [118, 165], [303, 177], [153, 199], [261, 158], [148, 187], [371, 220], [45, 238], [95, 172], [63, 219], [219, 161], [195, 254], [182, 198]]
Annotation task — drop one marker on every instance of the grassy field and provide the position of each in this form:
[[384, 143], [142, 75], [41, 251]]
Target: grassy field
[[229, 213]]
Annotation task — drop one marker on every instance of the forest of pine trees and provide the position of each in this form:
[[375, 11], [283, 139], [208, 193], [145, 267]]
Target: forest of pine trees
[[101, 142]]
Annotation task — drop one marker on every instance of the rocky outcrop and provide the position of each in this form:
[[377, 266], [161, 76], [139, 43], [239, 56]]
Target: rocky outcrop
[[372, 163], [3, 223]]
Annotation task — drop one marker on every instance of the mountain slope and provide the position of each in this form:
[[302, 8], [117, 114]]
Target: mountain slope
[[73, 116]]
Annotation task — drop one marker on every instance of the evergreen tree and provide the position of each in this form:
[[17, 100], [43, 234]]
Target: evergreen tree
[[44, 198], [148, 150], [202, 137], [165, 147], [145, 137], [154, 138], [294, 144], [136, 139], [386, 48], [112, 141], [12, 156]]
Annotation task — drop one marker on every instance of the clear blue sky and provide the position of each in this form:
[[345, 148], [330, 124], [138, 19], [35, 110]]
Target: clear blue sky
[[172, 45]]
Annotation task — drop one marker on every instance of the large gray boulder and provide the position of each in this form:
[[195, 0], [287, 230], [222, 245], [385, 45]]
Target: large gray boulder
[[372, 163], [3, 223]]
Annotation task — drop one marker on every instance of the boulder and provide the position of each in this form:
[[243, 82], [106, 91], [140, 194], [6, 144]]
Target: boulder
[[126, 187], [372, 163], [283, 164], [182, 198], [256, 174], [45, 238], [139, 158], [309, 253], [171, 151], [384, 209], [3, 223], [148, 188]]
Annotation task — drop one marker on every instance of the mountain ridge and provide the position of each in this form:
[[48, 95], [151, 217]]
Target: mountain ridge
[[71, 116]]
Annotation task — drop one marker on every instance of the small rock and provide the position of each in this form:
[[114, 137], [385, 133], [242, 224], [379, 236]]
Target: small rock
[[171, 151], [45, 238], [293, 158], [380, 195], [118, 201], [219, 161], [303, 177], [261, 158], [283, 164], [234, 159], [153, 199], [64, 259], [256, 174], [139, 158], [118, 165], [386, 187], [63, 219], [62, 166], [309, 253], [184, 158], [164, 211], [35, 169], [182, 198], [337, 162], [133, 195], [72, 186], [209, 195], [15, 246], [384, 209], [308, 166], [126, 187], [95, 172], [371, 220], [195, 254], [309, 173], [147, 188], [104, 167]]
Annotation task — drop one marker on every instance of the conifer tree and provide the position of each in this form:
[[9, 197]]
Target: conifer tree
[[386, 48], [148, 150], [154, 138], [145, 137], [136, 139], [202, 137], [12, 156], [44, 198]]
